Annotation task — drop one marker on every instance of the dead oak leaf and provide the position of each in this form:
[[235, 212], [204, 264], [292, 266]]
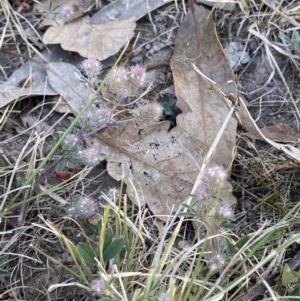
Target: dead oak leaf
[[155, 164], [160, 166], [91, 40]]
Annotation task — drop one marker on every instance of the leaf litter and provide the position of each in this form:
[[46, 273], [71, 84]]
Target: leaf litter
[[160, 165], [92, 40]]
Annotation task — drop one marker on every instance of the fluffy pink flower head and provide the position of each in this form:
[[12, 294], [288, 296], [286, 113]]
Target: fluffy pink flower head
[[70, 142], [90, 156], [95, 117], [98, 285], [225, 212], [217, 262], [84, 207], [137, 77], [216, 174], [67, 12], [163, 297], [126, 82], [118, 81], [148, 114], [91, 67]]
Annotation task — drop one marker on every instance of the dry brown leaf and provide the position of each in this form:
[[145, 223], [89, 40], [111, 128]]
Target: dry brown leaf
[[292, 152], [64, 79], [123, 10], [29, 79], [160, 166], [204, 108], [91, 40], [279, 132]]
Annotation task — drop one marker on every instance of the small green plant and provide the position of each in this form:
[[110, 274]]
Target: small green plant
[[3, 259], [293, 42], [124, 83], [105, 251]]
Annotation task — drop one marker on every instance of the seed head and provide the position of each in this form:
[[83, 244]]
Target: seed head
[[84, 207], [70, 142], [163, 297], [95, 117], [98, 285], [126, 82], [217, 262], [148, 114], [215, 174], [202, 191], [137, 77], [117, 83], [67, 12], [91, 67], [90, 156], [225, 212]]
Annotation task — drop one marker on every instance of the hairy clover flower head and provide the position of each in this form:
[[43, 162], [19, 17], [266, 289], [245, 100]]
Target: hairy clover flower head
[[202, 191], [163, 297], [148, 114], [90, 156], [137, 77], [117, 83], [98, 285], [67, 12], [96, 117], [225, 211], [217, 262], [70, 142], [91, 67], [84, 207], [216, 174], [125, 82]]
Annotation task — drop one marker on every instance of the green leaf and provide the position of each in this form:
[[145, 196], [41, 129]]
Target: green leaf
[[98, 227], [114, 248], [229, 246], [106, 299], [295, 293], [227, 225], [242, 241], [3, 259], [88, 229], [289, 276], [61, 165], [240, 214], [4, 273], [86, 252], [108, 239]]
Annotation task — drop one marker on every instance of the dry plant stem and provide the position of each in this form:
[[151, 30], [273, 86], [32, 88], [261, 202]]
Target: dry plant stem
[[52, 152], [16, 167]]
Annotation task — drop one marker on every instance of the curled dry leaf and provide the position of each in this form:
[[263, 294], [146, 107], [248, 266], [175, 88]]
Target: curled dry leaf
[[292, 152], [91, 40], [279, 132], [160, 165], [29, 79]]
